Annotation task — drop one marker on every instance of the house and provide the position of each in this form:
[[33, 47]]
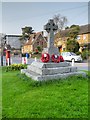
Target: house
[[83, 38], [60, 39], [36, 40]]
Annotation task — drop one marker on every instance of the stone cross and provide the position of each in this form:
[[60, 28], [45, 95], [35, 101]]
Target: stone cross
[[50, 27]]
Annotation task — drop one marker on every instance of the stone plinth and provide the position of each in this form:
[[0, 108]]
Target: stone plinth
[[46, 71]]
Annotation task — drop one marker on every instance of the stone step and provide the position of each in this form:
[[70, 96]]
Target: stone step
[[50, 71], [39, 77], [49, 64]]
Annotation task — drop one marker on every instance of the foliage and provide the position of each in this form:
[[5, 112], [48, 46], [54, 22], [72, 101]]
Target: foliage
[[60, 21], [26, 32], [78, 53], [39, 48], [72, 45], [36, 51], [66, 27], [14, 67], [73, 32], [57, 35], [63, 98], [73, 26], [85, 54]]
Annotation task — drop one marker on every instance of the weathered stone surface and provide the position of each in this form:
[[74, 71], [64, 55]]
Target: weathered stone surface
[[39, 77], [51, 69], [51, 51], [73, 69], [47, 71], [49, 64], [50, 27]]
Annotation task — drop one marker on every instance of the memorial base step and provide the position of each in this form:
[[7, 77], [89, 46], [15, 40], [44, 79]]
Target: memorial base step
[[47, 71], [39, 77]]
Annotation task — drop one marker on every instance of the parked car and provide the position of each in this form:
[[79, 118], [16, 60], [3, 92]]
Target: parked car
[[69, 56]]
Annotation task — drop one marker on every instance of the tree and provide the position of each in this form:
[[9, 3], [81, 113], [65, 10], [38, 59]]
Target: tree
[[60, 21], [73, 26], [74, 30], [72, 45], [26, 33], [66, 27], [27, 30]]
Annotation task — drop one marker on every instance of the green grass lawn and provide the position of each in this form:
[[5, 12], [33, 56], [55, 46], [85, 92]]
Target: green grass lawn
[[24, 98], [0, 93]]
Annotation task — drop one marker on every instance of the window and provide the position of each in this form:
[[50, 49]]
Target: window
[[78, 37], [84, 37], [37, 43]]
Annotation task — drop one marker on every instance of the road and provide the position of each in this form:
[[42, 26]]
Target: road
[[81, 66], [16, 60]]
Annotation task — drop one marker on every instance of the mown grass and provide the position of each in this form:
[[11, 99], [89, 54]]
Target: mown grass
[[25, 98], [0, 93]]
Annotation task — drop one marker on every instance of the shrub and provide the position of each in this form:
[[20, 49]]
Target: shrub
[[14, 67], [85, 54], [78, 53], [35, 52], [39, 48], [72, 45]]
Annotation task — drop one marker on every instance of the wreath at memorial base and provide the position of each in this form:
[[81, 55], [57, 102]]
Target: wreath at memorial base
[[61, 58], [55, 58], [45, 57]]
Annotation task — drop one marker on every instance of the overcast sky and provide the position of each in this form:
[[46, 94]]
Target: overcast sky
[[16, 15]]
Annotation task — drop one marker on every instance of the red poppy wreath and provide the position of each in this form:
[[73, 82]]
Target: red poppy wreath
[[55, 58], [61, 58], [45, 57]]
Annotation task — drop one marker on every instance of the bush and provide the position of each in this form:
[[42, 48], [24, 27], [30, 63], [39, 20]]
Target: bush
[[39, 48], [72, 45], [78, 53], [14, 67], [85, 54], [35, 52]]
